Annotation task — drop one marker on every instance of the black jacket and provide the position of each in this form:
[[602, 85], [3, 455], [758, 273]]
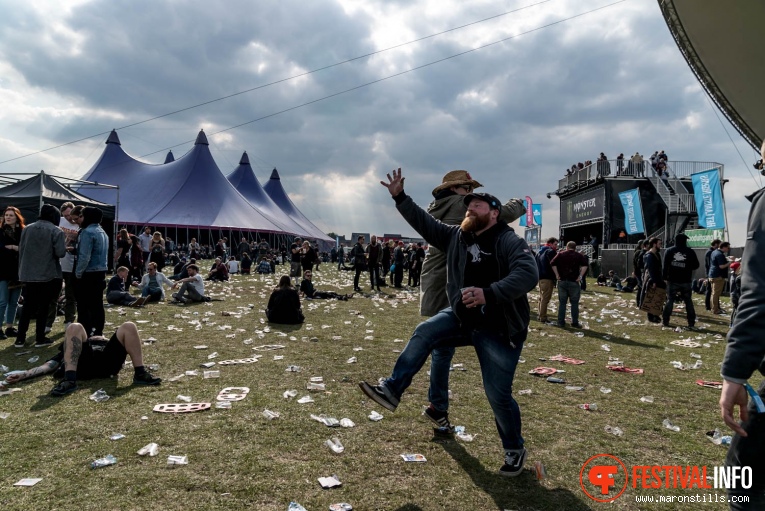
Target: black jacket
[[652, 263], [679, 263], [284, 307], [746, 343], [9, 259]]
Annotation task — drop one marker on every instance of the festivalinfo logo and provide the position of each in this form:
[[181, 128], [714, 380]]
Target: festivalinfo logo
[[604, 478]]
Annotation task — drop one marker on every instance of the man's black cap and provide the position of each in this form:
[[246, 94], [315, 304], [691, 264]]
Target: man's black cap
[[489, 199]]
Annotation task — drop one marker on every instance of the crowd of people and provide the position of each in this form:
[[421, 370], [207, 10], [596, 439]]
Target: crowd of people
[[634, 166], [482, 303]]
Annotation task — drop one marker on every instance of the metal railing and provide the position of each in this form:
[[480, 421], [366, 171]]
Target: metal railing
[[631, 170], [688, 201]]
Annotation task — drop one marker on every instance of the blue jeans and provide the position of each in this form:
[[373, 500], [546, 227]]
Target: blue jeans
[[679, 292], [155, 295], [568, 291], [497, 355], [9, 300]]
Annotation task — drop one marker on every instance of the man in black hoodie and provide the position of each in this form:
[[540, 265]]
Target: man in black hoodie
[[679, 263]]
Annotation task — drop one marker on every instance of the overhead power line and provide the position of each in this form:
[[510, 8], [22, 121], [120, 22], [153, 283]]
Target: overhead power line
[[367, 84], [263, 86]]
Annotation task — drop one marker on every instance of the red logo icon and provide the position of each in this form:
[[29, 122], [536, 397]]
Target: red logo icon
[[605, 473]]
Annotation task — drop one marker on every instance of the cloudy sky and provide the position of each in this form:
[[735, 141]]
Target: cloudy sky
[[514, 114]]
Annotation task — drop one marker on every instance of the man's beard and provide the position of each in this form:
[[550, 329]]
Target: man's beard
[[475, 223]]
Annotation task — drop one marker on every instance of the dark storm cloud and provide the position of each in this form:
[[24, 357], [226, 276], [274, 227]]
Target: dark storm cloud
[[515, 114]]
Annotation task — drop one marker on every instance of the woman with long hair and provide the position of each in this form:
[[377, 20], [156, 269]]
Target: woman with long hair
[[122, 252], [136, 258], [157, 250], [10, 287], [284, 304]]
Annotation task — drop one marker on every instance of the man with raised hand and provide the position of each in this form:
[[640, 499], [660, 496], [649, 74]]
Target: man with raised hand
[[490, 271]]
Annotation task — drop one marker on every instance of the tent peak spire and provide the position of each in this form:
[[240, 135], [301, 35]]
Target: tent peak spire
[[113, 138], [169, 158], [275, 175], [201, 138], [245, 159]]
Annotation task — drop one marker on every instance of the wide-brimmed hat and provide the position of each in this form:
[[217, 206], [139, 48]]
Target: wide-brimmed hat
[[456, 178]]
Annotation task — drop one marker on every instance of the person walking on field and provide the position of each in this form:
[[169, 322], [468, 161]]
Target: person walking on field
[[546, 276], [569, 268]]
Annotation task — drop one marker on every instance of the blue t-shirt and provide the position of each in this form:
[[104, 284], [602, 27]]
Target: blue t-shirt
[[718, 258]]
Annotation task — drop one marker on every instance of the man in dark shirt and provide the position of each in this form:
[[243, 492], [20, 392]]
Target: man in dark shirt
[[718, 274], [679, 263], [398, 259], [707, 263], [374, 256], [653, 276], [295, 266], [92, 358], [569, 267]]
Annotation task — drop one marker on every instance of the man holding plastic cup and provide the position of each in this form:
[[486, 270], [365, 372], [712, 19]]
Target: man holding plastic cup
[[490, 272]]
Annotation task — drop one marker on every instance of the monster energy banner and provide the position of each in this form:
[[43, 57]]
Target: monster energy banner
[[703, 237], [583, 207]]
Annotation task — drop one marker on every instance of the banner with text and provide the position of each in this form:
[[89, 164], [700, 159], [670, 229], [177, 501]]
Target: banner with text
[[708, 194], [587, 206], [536, 212], [703, 237], [633, 211]]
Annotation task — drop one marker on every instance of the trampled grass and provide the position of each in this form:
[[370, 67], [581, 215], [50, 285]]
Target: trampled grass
[[240, 460]]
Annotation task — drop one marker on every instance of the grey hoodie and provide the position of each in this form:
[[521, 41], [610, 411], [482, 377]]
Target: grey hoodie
[[42, 245]]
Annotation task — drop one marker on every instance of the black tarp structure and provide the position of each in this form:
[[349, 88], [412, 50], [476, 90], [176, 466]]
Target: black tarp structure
[[31, 193]]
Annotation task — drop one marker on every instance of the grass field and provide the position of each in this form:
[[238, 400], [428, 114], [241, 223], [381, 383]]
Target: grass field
[[238, 459]]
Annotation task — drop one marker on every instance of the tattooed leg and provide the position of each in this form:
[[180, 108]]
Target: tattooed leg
[[75, 336]]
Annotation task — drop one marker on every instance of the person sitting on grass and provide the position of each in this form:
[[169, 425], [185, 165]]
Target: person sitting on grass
[[116, 293], [218, 272], [96, 357], [232, 265], [614, 280], [264, 266], [602, 280], [192, 287], [246, 264], [307, 290], [629, 284], [284, 304], [151, 284]]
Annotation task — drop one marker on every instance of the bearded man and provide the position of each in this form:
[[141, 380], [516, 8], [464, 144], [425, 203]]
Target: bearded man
[[490, 271]]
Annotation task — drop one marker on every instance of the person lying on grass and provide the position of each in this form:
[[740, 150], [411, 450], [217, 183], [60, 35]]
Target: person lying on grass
[[307, 290], [87, 359]]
